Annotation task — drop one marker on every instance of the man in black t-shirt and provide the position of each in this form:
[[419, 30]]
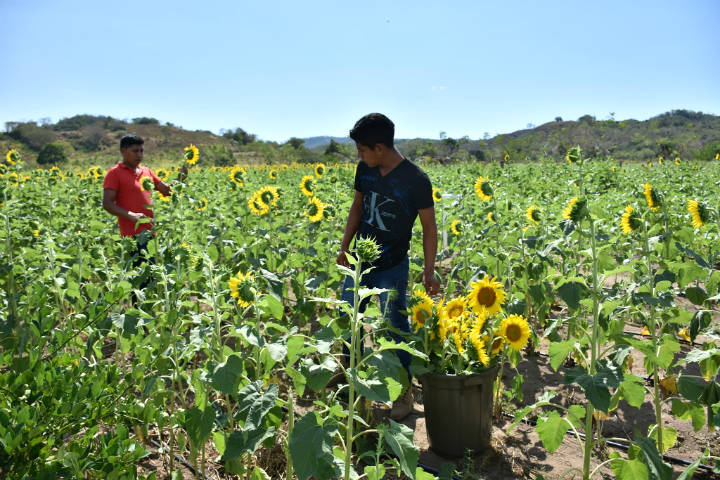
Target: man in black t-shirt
[[390, 193]]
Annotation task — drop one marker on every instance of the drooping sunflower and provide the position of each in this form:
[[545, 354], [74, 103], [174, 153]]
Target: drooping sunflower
[[307, 186], [630, 220], [12, 156], [146, 184], [700, 213], [576, 209], [533, 214], [315, 210], [483, 188], [458, 338], [456, 227], [192, 154], [319, 170], [201, 204], [480, 348], [652, 197], [491, 217], [237, 175], [515, 331], [436, 194], [487, 296], [242, 288]]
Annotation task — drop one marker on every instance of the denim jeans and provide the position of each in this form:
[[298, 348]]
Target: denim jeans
[[396, 279]]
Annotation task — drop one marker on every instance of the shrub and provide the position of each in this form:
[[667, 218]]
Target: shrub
[[51, 154]]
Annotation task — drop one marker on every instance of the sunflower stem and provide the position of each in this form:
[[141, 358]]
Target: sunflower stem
[[353, 354]]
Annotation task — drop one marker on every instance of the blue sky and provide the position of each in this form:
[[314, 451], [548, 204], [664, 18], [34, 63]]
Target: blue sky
[[286, 68]]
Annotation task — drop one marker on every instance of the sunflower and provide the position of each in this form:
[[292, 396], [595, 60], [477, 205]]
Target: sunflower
[[257, 206], [458, 338], [242, 287], [164, 198], [576, 209], [269, 195], [574, 155], [456, 227], [700, 213], [421, 312], [660, 159], [455, 308], [486, 296], [201, 204], [677, 161], [483, 188], [684, 334], [630, 220], [506, 157], [146, 184], [315, 210], [480, 349], [192, 154], [491, 217], [320, 170], [533, 214], [12, 156], [307, 186], [237, 175], [272, 174], [515, 331], [162, 174], [653, 199], [436, 194]]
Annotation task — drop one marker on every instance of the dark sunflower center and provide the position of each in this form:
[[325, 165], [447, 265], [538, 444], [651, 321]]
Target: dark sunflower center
[[486, 296], [313, 210], [486, 188], [266, 197], [513, 333]]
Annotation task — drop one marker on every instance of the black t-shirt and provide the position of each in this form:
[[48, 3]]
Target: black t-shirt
[[390, 207]]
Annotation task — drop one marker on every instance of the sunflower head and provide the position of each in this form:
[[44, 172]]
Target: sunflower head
[[456, 227], [272, 174], [491, 217], [421, 312], [533, 214], [307, 186], [316, 210], [237, 175], [454, 309], [483, 188], [164, 198], [574, 155], [201, 204], [192, 154], [437, 196], [162, 174], [367, 249], [487, 296], [257, 206], [12, 156], [319, 170], [630, 220], [700, 213], [242, 288], [653, 198], [576, 209], [479, 347], [146, 184], [515, 331]]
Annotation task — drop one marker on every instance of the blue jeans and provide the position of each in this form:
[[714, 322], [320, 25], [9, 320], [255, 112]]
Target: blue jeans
[[396, 279]]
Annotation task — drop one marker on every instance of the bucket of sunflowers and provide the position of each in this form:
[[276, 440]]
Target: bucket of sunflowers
[[467, 339]]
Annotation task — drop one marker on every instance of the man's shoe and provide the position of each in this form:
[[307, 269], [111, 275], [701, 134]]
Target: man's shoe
[[403, 406]]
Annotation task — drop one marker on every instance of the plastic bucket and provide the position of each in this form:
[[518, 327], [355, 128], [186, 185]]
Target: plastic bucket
[[458, 411]]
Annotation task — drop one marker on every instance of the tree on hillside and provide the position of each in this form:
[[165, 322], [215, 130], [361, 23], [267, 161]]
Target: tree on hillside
[[332, 148], [296, 143], [239, 135], [51, 154], [31, 134]]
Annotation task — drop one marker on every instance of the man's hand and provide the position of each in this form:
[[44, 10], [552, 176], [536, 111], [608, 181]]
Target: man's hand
[[342, 259], [135, 216], [432, 286]]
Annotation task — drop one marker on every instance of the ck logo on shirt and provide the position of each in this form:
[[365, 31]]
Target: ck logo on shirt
[[376, 208]]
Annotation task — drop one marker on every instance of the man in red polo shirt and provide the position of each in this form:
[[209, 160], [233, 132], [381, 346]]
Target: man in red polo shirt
[[124, 195]]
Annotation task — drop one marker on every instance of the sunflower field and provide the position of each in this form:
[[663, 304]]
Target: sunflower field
[[219, 367]]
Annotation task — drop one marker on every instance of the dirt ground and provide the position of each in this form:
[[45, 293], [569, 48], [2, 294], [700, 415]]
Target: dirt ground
[[521, 455]]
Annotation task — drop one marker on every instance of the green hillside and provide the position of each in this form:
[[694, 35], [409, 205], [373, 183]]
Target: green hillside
[[93, 140]]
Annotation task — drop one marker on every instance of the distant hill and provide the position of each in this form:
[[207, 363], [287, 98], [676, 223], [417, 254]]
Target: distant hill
[[95, 139], [314, 142]]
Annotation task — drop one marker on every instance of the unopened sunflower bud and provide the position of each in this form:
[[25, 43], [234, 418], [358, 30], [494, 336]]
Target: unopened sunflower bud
[[367, 249]]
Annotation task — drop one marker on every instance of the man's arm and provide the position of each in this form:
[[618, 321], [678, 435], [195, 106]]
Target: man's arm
[[351, 227], [430, 242], [163, 188], [113, 208]]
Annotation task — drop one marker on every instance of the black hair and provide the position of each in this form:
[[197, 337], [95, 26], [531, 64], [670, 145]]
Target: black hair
[[372, 129], [129, 140]]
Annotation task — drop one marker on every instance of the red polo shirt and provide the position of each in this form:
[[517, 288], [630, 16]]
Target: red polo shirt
[[130, 194]]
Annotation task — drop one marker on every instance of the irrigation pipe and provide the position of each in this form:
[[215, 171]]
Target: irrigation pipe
[[181, 460]]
